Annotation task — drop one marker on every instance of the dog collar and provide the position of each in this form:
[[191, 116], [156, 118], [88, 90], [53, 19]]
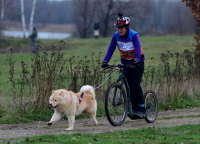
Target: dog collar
[[81, 98]]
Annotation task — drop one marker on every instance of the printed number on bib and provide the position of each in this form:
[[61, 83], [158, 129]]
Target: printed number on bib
[[129, 53]]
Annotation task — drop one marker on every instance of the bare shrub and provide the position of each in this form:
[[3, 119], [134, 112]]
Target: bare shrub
[[175, 78], [49, 71]]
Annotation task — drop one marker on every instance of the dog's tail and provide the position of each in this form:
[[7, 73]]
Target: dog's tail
[[87, 88]]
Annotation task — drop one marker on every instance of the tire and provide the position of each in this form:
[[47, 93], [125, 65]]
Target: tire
[[151, 100], [116, 114]]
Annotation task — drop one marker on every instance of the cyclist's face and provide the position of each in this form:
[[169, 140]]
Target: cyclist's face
[[121, 30]]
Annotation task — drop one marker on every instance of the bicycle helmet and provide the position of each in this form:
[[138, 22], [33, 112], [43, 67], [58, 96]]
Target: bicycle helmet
[[122, 21]]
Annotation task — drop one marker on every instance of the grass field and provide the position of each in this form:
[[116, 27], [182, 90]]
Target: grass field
[[152, 47], [186, 134]]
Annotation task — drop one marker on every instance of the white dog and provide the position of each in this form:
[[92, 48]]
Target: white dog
[[71, 104]]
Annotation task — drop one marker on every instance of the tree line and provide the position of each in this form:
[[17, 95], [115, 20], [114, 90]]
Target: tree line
[[155, 17]]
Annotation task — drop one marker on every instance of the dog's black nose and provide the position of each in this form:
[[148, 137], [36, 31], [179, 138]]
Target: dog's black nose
[[50, 104]]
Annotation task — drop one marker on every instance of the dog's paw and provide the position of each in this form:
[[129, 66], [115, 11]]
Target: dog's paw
[[49, 123], [69, 129], [96, 123]]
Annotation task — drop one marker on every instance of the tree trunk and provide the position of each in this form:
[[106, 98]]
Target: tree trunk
[[104, 13], [106, 24], [2, 9], [83, 15], [106, 21], [23, 19], [32, 16], [85, 19]]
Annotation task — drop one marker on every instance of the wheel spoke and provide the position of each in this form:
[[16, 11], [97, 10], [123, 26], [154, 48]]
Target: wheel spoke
[[151, 106], [115, 106]]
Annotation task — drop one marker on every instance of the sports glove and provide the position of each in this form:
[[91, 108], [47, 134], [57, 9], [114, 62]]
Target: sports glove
[[104, 65], [135, 62]]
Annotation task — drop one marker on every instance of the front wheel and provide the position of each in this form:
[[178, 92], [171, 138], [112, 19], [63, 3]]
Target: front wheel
[[151, 104], [116, 107]]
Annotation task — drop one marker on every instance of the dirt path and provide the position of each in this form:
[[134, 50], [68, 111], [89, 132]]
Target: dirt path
[[86, 125]]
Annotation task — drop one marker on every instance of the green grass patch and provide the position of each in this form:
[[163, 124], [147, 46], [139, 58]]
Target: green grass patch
[[152, 47], [79, 48], [2, 112], [190, 101], [15, 116], [173, 135], [18, 43]]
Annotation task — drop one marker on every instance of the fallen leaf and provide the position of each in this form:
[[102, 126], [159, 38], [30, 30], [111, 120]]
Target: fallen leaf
[[27, 139]]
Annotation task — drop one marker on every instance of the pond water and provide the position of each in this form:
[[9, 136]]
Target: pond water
[[41, 35]]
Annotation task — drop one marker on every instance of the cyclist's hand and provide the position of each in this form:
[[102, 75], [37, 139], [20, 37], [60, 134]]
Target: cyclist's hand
[[104, 65], [135, 63]]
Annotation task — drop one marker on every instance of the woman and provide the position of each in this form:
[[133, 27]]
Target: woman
[[96, 30], [131, 52]]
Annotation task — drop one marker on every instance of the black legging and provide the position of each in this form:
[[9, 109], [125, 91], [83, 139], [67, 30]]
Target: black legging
[[134, 77]]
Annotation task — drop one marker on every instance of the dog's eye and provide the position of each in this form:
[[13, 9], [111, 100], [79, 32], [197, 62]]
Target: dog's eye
[[55, 100]]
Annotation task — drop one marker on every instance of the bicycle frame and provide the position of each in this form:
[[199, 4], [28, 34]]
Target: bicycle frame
[[117, 98], [123, 79]]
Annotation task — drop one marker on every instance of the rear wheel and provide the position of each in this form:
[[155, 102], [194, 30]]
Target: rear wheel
[[151, 104], [116, 107]]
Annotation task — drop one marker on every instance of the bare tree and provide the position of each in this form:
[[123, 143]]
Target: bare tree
[[170, 17], [194, 5], [44, 14], [105, 13], [83, 15], [23, 19], [5, 4], [2, 9], [137, 10], [1, 28], [32, 16]]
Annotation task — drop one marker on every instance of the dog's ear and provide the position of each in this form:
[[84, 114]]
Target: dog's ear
[[52, 91], [61, 94]]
